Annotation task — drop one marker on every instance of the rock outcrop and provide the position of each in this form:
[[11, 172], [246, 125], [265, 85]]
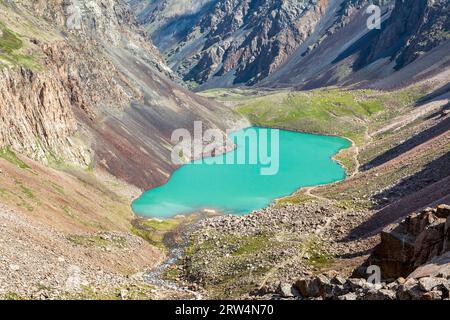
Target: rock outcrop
[[413, 257], [336, 288], [36, 117], [88, 89], [223, 43], [419, 239]]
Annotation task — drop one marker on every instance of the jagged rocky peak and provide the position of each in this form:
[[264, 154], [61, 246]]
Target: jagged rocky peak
[[223, 43], [227, 42], [414, 28], [413, 34], [418, 244], [109, 22]]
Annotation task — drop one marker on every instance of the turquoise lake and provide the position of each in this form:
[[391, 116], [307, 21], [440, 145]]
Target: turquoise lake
[[304, 160]]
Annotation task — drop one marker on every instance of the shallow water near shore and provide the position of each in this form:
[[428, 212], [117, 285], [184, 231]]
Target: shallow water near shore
[[304, 160]]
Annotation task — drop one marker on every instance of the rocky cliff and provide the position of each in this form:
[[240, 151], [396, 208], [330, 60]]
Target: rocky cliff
[[414, 28], [414, 36], [228, 42], [36, 118], [80, 84], [421, 240], [215, 43]]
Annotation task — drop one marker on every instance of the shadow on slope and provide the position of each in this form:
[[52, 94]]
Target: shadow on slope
[[443, 90], [409, 144], [422, 189]]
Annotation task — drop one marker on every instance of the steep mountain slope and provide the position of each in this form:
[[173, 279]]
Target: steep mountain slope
[[413, 29], [80, 85], [87, 109], [349, 53], [223, 43]]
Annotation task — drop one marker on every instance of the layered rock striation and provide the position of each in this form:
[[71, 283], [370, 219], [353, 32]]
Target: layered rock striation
[[88, 89]]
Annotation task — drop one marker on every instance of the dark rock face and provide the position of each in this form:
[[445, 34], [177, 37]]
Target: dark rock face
[[221, 43], [238, 41], [414, 36], [414, 27], [325, 288], [413, 242]]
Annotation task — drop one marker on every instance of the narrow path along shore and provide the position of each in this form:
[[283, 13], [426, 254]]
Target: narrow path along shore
[[357, 163]]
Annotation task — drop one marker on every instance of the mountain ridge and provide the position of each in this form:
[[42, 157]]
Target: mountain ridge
[[88, 106], [99, 70], [235, 41], [274, 43]]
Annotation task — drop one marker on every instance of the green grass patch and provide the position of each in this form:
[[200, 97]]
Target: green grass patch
[[59, 189], [11, 296], [330, 111], [25, 196], [249, 245], [298, 197], [4, 192], [316, 254], [237, 246], [161, 225], [325, 111], [25, 190], [346, 158], [11, 47], [155, 231], [172, 273], [9, 41], [8, 154], [67, 211], [26, 206], [148, 236]]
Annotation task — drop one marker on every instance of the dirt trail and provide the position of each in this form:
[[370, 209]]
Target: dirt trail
[[357, 163]]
